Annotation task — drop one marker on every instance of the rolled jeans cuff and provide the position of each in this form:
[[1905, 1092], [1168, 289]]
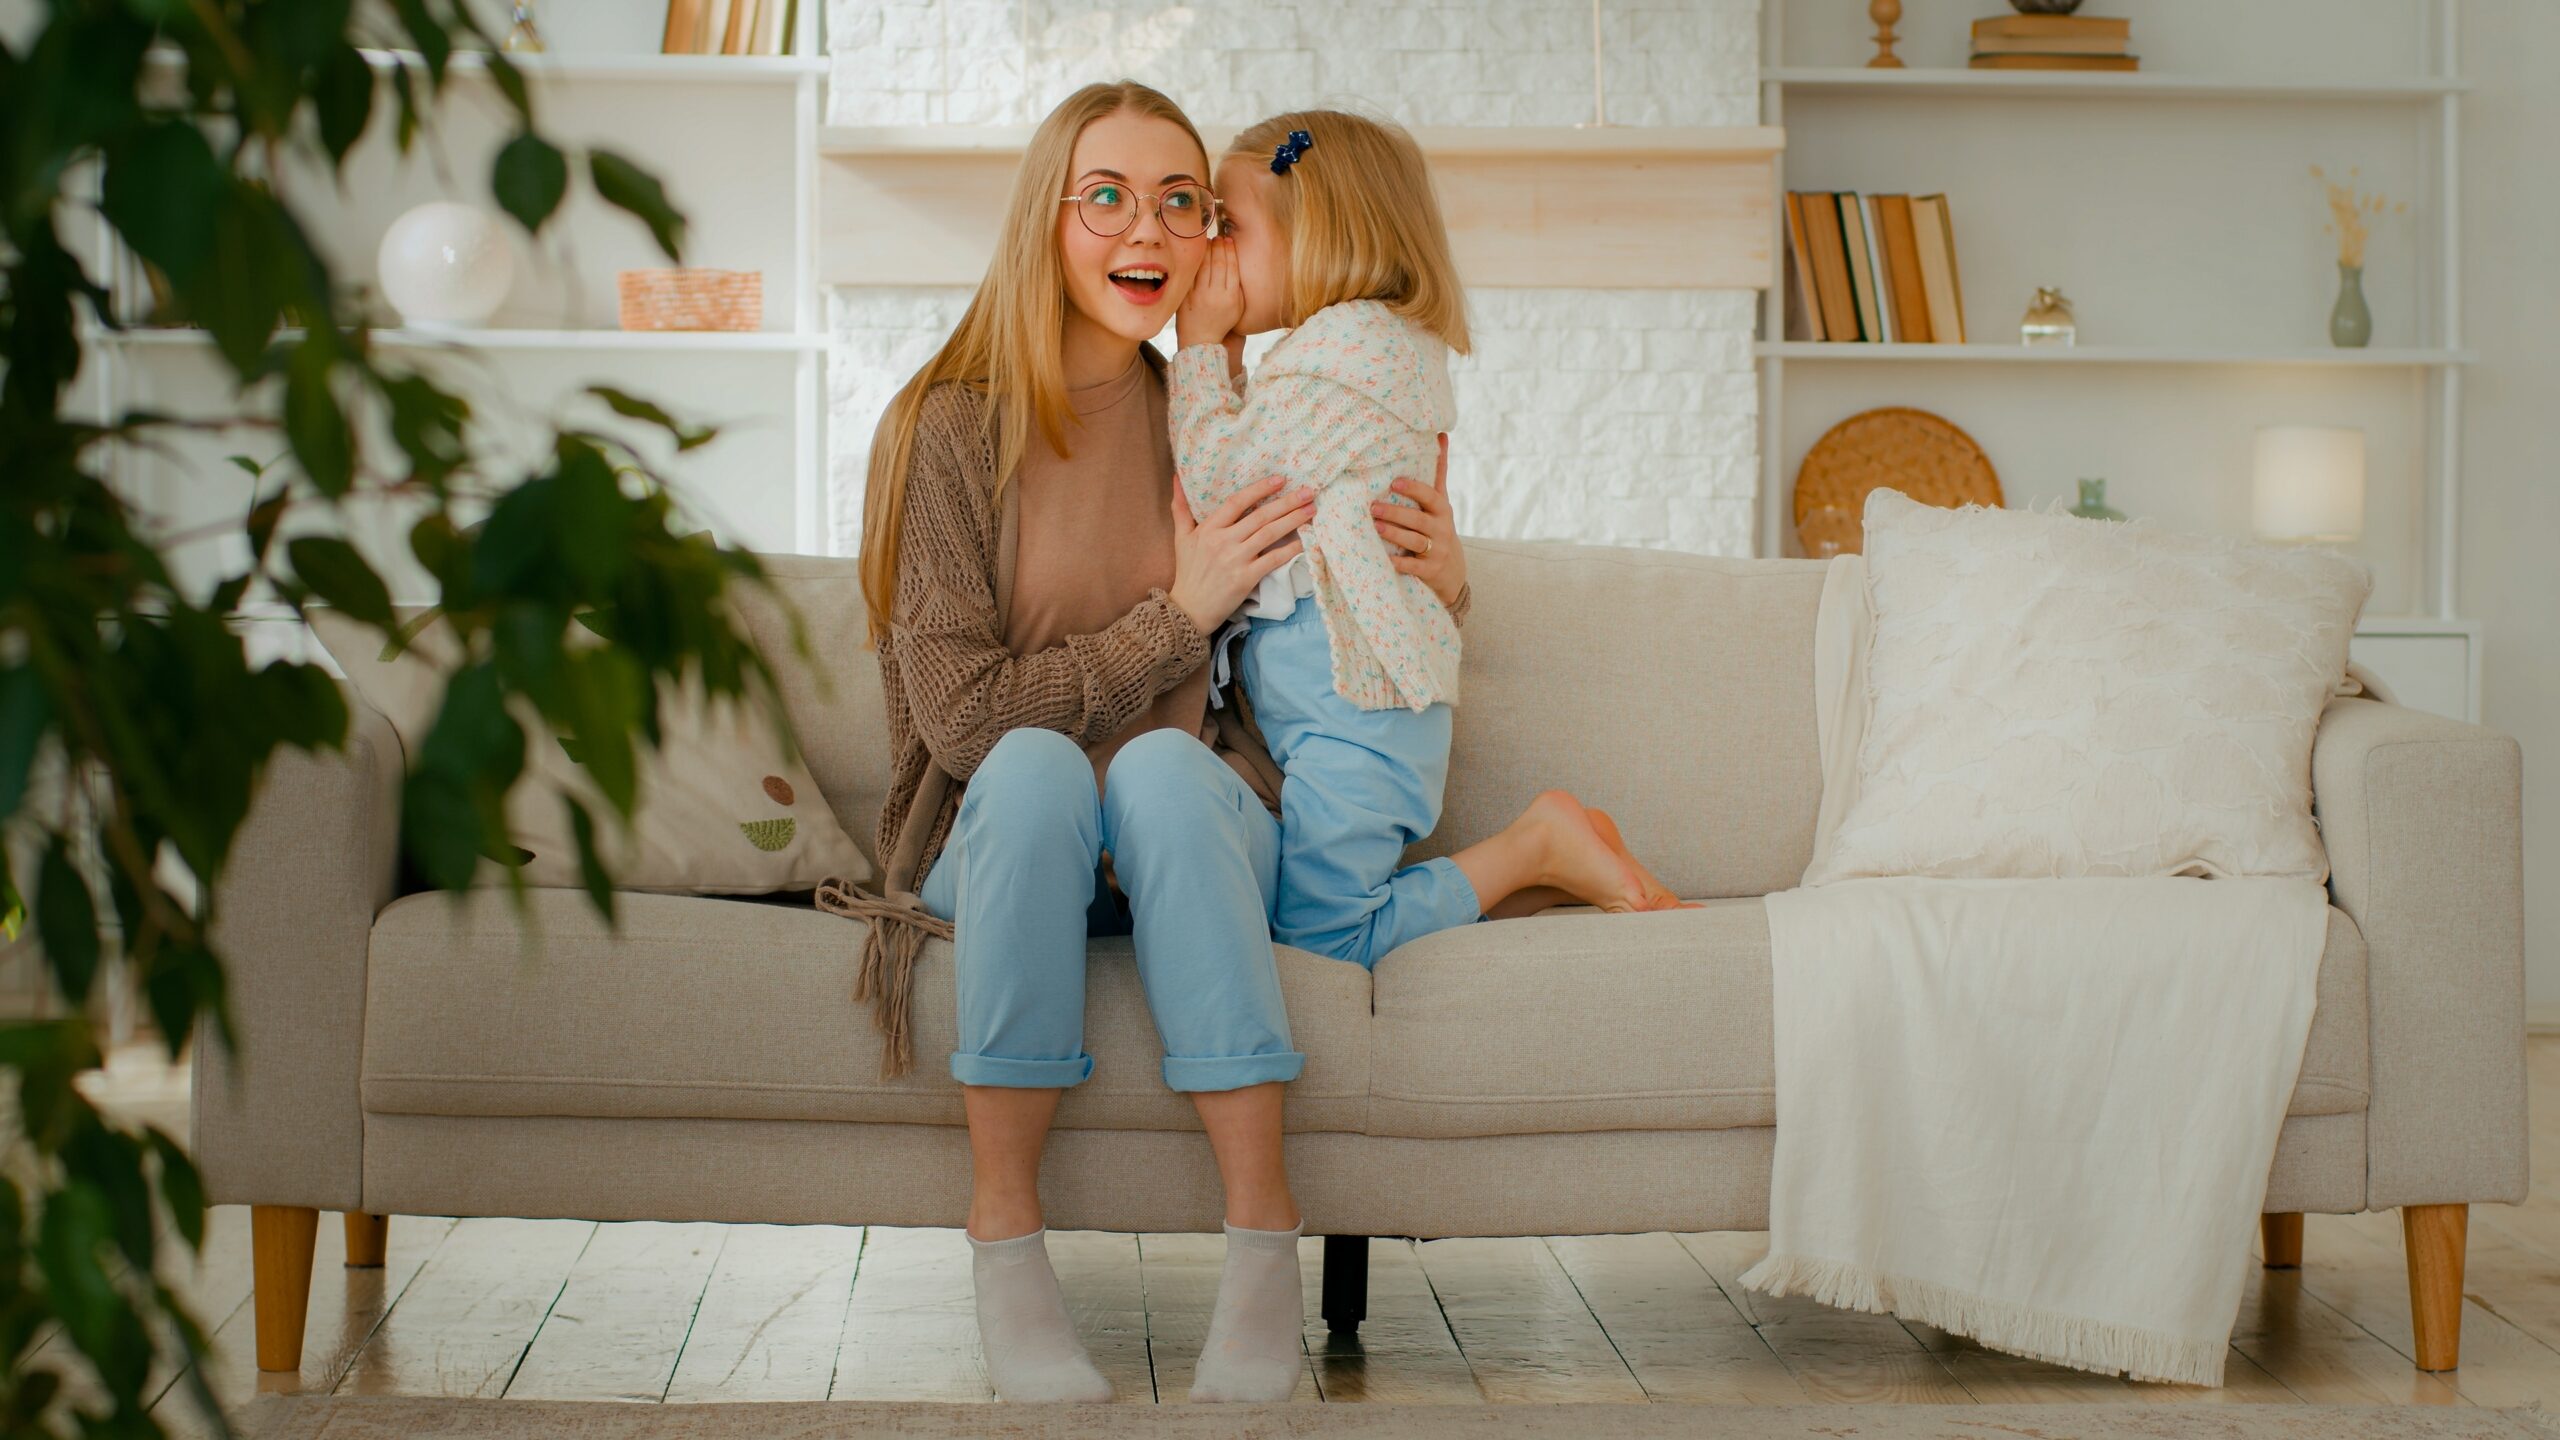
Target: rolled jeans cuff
[[1019, 1074], [1230, 1072]]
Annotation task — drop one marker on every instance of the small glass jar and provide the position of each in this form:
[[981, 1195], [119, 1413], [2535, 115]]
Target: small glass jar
[[2048, 320], [2093, 502]]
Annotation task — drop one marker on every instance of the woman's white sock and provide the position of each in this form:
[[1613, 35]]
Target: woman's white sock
[[1256, 1350], [1030, 1343]]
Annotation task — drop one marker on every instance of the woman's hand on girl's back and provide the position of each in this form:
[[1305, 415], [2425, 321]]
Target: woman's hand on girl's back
[[1218, 561], [1425, 532], [1210, 313]]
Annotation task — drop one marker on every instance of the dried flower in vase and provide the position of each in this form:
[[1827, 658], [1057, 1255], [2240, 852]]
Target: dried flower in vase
[[2348, 207]]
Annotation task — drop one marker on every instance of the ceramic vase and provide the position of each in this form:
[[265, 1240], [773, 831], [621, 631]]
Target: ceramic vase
[[2093, 502], [2350, 323], [446, 266]]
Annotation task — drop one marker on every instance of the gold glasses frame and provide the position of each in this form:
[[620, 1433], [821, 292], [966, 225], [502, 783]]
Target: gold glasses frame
[[1212, 216]]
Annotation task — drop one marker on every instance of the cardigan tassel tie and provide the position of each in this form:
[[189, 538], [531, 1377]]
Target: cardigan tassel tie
[[898, 927]]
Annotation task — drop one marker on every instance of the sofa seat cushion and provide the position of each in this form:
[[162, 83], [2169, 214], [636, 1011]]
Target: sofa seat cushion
[[715, 1008], [1576, 1021]]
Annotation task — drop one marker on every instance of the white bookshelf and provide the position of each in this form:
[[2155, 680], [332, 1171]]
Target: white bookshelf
[[690, 119], [2037, 166]]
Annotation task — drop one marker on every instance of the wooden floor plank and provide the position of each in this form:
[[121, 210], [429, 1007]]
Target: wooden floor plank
[[1525, 1330], [1840, 1357], [621, 1320], [772, 1317], [912, 1331], [2320, 1354], [1672, 1323], [346, 1306], [2368, 1283], [1106, 1295], [211, 1283], [462, 1325], [1403, 1353], [1993, 1377]]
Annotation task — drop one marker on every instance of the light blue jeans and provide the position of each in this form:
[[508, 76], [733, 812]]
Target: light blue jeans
[[1197, 857], [1361, 785]]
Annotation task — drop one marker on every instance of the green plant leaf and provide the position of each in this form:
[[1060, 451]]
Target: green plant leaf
[[66, 921], [181, 1186], [162, 190], [322, 439], [24, 715], [529, 177], [626, 186], [342, 93], [594, 518], [339, 575], [591, 871], [687, 437]]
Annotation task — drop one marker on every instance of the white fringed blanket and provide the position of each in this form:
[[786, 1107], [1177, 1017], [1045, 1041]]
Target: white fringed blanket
[[2039, 1113]]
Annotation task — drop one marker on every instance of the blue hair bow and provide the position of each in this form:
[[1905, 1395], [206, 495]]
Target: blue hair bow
[[1286, 153]]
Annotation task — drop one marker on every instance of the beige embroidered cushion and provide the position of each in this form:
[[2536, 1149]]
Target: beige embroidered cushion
[[2053, 696], [724, 808]]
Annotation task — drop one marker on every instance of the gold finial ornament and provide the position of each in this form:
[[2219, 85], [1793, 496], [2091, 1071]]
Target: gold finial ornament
[[1886, 13]]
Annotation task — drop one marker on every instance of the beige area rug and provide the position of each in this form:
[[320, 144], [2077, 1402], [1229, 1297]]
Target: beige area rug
[[389, 1418]]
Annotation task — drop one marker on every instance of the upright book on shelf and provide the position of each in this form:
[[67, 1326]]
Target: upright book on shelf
[[1912, 321], [1830, 265], [1862, 275], [1934, 235], [1803, 302], [1888, 319]]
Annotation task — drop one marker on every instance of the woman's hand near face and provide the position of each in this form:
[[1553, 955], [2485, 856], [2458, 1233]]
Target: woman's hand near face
[[1217, 562], [1427, 535], [1216, 303]]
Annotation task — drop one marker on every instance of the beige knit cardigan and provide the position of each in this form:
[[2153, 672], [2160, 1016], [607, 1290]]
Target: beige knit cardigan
[[952, 688]]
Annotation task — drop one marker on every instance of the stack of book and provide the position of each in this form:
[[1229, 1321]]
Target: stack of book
[[1875, 267], [730, 27], [2053, 42]]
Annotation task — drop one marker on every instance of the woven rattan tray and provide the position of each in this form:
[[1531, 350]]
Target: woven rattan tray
[[1898, 448]]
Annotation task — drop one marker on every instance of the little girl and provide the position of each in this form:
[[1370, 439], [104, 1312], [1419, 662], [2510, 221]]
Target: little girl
[[1329, 228]]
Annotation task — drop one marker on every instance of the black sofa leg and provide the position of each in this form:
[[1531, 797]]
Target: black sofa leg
[[1346, 1283]]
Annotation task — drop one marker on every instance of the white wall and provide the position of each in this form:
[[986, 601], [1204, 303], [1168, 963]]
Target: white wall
[[1614, 417], [2511, 491]]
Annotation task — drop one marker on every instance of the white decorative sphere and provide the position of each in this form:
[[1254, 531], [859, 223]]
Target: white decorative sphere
[[446, 265]]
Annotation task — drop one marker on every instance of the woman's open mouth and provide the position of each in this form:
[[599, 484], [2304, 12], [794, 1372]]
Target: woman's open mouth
[[1139, 284]]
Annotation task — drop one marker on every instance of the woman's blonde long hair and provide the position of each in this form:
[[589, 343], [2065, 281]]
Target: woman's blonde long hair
[[1010, 345], [1362, 220]]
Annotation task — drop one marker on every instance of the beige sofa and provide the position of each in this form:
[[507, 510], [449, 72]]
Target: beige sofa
[[406, 1054]]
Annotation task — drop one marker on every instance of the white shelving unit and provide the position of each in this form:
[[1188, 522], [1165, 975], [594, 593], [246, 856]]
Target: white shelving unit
[[606, 83], [1926, 104]]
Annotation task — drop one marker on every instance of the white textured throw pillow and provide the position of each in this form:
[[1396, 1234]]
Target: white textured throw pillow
[[2052, 696], [723, 810]]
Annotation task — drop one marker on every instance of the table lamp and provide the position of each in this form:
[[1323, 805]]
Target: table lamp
[[2309, 484]]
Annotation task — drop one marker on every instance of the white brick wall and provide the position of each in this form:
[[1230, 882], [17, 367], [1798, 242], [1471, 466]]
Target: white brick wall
[[1611, 417]]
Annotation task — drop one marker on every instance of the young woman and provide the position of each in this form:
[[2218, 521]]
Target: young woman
[[1042, 600]]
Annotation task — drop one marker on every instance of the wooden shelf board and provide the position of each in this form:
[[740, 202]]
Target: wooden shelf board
[[783, 341], [2078, 84], [1651, 208], [1866, 352], [1439, 141], [637, 65]]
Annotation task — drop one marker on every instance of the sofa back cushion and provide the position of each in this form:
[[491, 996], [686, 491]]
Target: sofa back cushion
[[1674, 691]]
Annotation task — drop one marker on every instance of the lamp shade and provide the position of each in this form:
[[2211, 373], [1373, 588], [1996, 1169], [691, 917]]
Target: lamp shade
[[2308, 484]]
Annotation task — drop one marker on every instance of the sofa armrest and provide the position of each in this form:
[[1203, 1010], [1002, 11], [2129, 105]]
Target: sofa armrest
[[2423, 818], [278, 1122]]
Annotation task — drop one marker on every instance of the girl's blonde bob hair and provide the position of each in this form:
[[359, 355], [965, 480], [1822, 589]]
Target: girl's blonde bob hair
[[1361, 219], [1010, 345]]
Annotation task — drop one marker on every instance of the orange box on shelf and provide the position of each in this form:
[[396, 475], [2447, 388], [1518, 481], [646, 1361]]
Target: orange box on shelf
[[691, 298]]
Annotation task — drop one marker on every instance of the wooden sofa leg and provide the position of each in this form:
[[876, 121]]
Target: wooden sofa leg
[[368, 1239], [1346, 1283], [2282, 1235], [2434, 1235], [281, 1238]]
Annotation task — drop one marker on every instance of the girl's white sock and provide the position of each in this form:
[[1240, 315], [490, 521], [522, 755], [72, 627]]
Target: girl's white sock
[[1030, 1343], [1256, 1350]]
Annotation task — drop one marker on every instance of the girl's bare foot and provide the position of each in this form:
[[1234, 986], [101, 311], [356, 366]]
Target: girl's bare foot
[[1577, 859], [1657, 896]]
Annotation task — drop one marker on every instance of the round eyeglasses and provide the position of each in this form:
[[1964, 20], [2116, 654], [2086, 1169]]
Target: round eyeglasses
[[1109, 208]]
